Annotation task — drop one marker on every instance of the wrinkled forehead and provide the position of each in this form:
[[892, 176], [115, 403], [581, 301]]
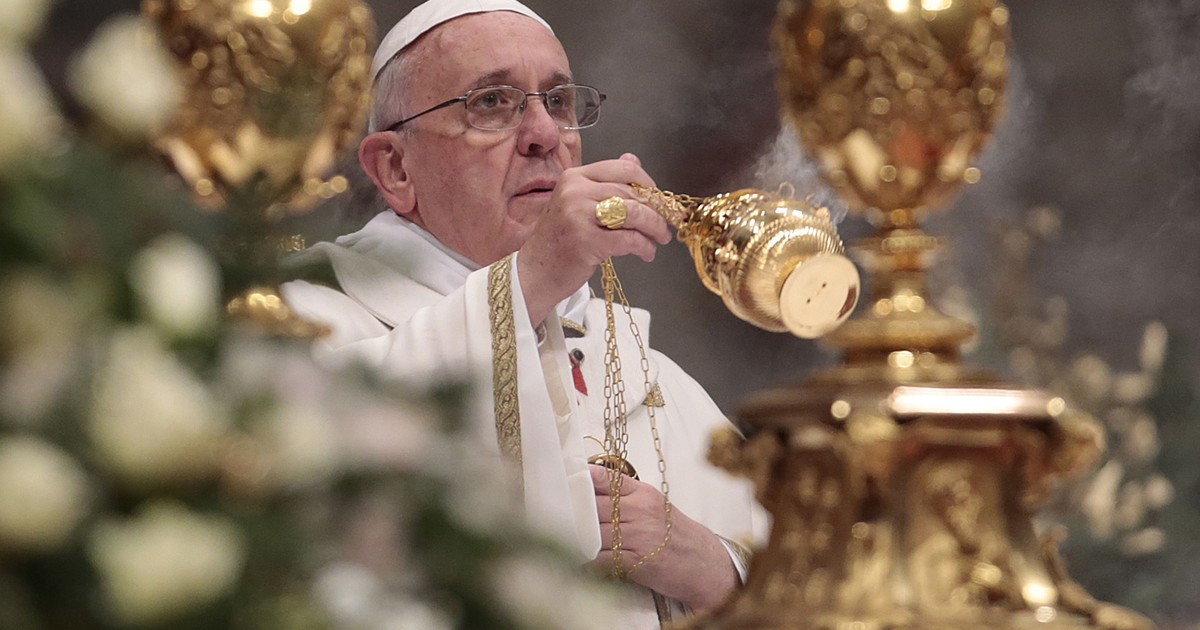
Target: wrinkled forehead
[[487, 49]]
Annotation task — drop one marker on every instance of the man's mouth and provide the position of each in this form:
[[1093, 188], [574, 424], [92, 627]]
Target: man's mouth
[[538, 187]]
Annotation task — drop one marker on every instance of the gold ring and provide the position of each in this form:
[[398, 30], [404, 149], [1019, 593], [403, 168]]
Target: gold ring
[[612, 212]]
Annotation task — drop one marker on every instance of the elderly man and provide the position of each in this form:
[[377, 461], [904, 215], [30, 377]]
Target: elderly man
[[481, 263]]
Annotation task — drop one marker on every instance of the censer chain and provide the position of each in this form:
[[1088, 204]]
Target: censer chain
[[616, 435], [674, 207]]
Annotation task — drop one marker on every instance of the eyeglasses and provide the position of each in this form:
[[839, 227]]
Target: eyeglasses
[[502, 107]]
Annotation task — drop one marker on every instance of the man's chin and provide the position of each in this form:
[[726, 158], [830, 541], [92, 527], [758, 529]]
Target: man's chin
[[528, 208]]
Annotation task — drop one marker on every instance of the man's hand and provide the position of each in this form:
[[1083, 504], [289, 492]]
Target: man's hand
[[694, 567], [568, 242]]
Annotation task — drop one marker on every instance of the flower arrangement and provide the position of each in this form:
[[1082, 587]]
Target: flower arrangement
[[162, 466], [1133, 518]]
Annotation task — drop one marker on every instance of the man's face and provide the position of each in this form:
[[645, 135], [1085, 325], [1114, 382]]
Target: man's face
[[481, 192]]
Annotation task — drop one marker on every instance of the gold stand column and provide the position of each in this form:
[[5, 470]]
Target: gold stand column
[[902, 483]]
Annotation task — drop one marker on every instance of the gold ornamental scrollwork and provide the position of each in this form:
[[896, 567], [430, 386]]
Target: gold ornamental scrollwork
[[505, 397]]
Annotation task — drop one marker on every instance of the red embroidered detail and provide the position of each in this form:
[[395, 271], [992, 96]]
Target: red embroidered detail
[[576, 357]]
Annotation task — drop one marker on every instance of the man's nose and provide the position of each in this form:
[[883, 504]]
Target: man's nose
[[538, 133]]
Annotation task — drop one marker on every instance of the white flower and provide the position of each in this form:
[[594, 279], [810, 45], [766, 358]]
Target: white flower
[[301, 444], [1159, 492], [1146, 541], [39, 331], [544, 594], [387, 435], [355, 598], [152, 420], [21, 19], [1154, 347], [372, 431], [30, 119], [1094, 377], [1100, 500], [126, 76], [42, 494], [178, 285], [1131, 506], [1141, 443], [165, 561], [297, 432], [1132, 388], [484, 503]]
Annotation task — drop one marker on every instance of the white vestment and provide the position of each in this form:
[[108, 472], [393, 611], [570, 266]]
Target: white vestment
[[414, 308]]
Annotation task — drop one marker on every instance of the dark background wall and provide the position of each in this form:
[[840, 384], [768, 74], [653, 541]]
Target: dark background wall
[[1103, 127]]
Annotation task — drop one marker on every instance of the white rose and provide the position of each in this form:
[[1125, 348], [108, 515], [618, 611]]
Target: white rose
[[152, 419], [127, 77], [39, 332], [29, 117], [178, 284], [301, 444], [165, 561], [355, 598], [542, 593], [297, 432], [42, 494], [21, 19], [370, 431]]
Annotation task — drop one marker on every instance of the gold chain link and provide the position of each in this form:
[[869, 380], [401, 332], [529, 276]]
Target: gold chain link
[[616, 433], [674, 207]]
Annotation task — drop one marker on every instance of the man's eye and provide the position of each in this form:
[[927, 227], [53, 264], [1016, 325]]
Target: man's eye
[[490, 100], [558, 100]]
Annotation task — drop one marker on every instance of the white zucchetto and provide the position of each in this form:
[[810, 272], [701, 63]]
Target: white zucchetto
[[432, 13]]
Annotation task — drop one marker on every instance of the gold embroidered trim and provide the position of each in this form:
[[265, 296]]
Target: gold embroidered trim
[[662, 606], [741, 551], [572, 325], [654, 397], [504, 358]]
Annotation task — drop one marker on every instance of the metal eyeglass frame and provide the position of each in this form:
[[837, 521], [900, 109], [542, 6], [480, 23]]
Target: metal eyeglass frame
[[524, 105]]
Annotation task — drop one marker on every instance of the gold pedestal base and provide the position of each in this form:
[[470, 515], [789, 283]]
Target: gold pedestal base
[[902, 484]]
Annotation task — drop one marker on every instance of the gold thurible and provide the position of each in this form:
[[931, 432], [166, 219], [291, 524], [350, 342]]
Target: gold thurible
[[902, 483], [777, 262]]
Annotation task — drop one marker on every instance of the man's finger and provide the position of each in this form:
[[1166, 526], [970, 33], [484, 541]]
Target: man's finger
[[631, 541], [604, 505], [644, 219], [600, 481], [620, 171], [640, 218]]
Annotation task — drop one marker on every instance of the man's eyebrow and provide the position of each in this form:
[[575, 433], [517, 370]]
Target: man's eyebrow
[[505, 77], [559, 78]]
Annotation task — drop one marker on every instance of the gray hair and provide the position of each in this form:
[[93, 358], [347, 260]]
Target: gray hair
[[388, 93], [364, 200]]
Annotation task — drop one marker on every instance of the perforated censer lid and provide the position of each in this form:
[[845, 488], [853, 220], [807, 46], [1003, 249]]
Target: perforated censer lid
[[819, 295]]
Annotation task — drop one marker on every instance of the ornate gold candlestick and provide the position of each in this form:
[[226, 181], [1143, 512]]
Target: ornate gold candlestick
[[902, 483], [274, 90]]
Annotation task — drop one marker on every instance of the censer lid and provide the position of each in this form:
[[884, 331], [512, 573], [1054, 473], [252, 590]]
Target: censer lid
[[819, 295]]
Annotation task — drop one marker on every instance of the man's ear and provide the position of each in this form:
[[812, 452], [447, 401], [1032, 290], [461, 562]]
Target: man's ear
[[381, 155]]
